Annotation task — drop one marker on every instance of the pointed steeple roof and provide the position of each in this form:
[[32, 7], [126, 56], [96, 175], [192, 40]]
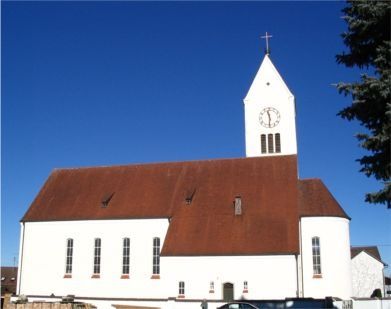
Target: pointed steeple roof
[[267, 79]]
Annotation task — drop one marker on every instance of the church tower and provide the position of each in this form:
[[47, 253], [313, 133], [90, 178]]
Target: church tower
[[269, 108]]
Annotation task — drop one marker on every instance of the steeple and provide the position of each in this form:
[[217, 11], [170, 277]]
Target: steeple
[[269, 114]]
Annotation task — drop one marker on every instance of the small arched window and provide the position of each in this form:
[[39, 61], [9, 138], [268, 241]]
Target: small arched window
[[181, 288], [211, 287], [245, 286], [316, 266], [263, 143], [277, 139], [270, 143]]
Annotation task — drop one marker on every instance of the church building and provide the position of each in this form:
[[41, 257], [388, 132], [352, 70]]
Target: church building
[[171, 235]]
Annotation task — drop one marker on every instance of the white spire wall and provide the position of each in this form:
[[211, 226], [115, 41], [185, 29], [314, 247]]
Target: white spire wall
[[269, 110]]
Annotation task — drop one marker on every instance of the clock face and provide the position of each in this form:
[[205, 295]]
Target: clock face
[[269, 117]]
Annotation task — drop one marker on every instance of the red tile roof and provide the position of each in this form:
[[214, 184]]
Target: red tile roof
[[316, 200], [373, 251], [268, 187], [9, 276]]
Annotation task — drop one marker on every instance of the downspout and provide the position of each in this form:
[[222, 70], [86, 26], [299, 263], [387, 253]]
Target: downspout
[[301, 260], [297, 276], [20, 264], [384, 280]]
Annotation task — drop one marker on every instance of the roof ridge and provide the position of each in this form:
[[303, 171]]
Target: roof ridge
[[169, 162]]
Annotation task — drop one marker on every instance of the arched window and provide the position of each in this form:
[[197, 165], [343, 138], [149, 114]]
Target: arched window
[[211, 287], [263, 143], [316, 266], [245, 286], [278, 142], [69, 257], [156, 256], [270, 143], [125, 256], [181, 288], [97, 252]]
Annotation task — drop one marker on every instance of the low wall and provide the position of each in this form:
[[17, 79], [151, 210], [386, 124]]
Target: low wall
[[48, 305], [364, 303]]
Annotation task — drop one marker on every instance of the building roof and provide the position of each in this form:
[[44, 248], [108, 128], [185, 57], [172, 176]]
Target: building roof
[[8, 279], [198, 197], [316, 200], [372, 251]]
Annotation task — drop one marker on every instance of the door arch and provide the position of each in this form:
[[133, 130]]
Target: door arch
[[228, 292]]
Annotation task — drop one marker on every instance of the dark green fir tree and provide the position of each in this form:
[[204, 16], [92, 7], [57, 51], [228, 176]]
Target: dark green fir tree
[[368, 42]]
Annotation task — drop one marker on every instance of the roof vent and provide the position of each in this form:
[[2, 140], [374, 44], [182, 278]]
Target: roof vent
[[238, 205], [106, 199], [189, 196]]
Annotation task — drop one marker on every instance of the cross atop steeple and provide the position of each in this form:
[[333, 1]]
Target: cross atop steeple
[[266, 37]]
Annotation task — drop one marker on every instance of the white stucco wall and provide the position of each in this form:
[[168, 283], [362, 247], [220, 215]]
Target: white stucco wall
[[268, 277], [44, 255], [367, 275], [269, 90], [43, 265], [335, 257]]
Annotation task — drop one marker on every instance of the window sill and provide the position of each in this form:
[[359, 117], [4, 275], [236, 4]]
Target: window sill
[[67, 276], [317, 276], [95, 276], [155, 277], [125, 276], [181, 296]]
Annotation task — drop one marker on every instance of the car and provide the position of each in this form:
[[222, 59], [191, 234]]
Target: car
[[239, 305]]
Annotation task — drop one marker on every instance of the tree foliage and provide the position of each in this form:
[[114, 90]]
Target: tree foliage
[[368, 39]]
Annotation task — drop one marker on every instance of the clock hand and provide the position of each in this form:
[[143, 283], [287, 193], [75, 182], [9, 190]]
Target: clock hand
[[268, 115]]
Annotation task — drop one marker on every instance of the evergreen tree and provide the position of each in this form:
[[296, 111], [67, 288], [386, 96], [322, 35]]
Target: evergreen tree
[[368, 39]]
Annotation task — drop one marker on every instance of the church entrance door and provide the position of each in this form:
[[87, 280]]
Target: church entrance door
[[228, 292]]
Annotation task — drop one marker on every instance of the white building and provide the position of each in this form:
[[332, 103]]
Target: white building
[[367, 271], [172, 234]]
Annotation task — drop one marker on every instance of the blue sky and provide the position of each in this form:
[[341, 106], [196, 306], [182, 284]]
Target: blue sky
[[99, 83]]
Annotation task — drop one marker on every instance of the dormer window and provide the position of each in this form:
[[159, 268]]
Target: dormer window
[[189, 196], [106, 199], [238, 205]]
